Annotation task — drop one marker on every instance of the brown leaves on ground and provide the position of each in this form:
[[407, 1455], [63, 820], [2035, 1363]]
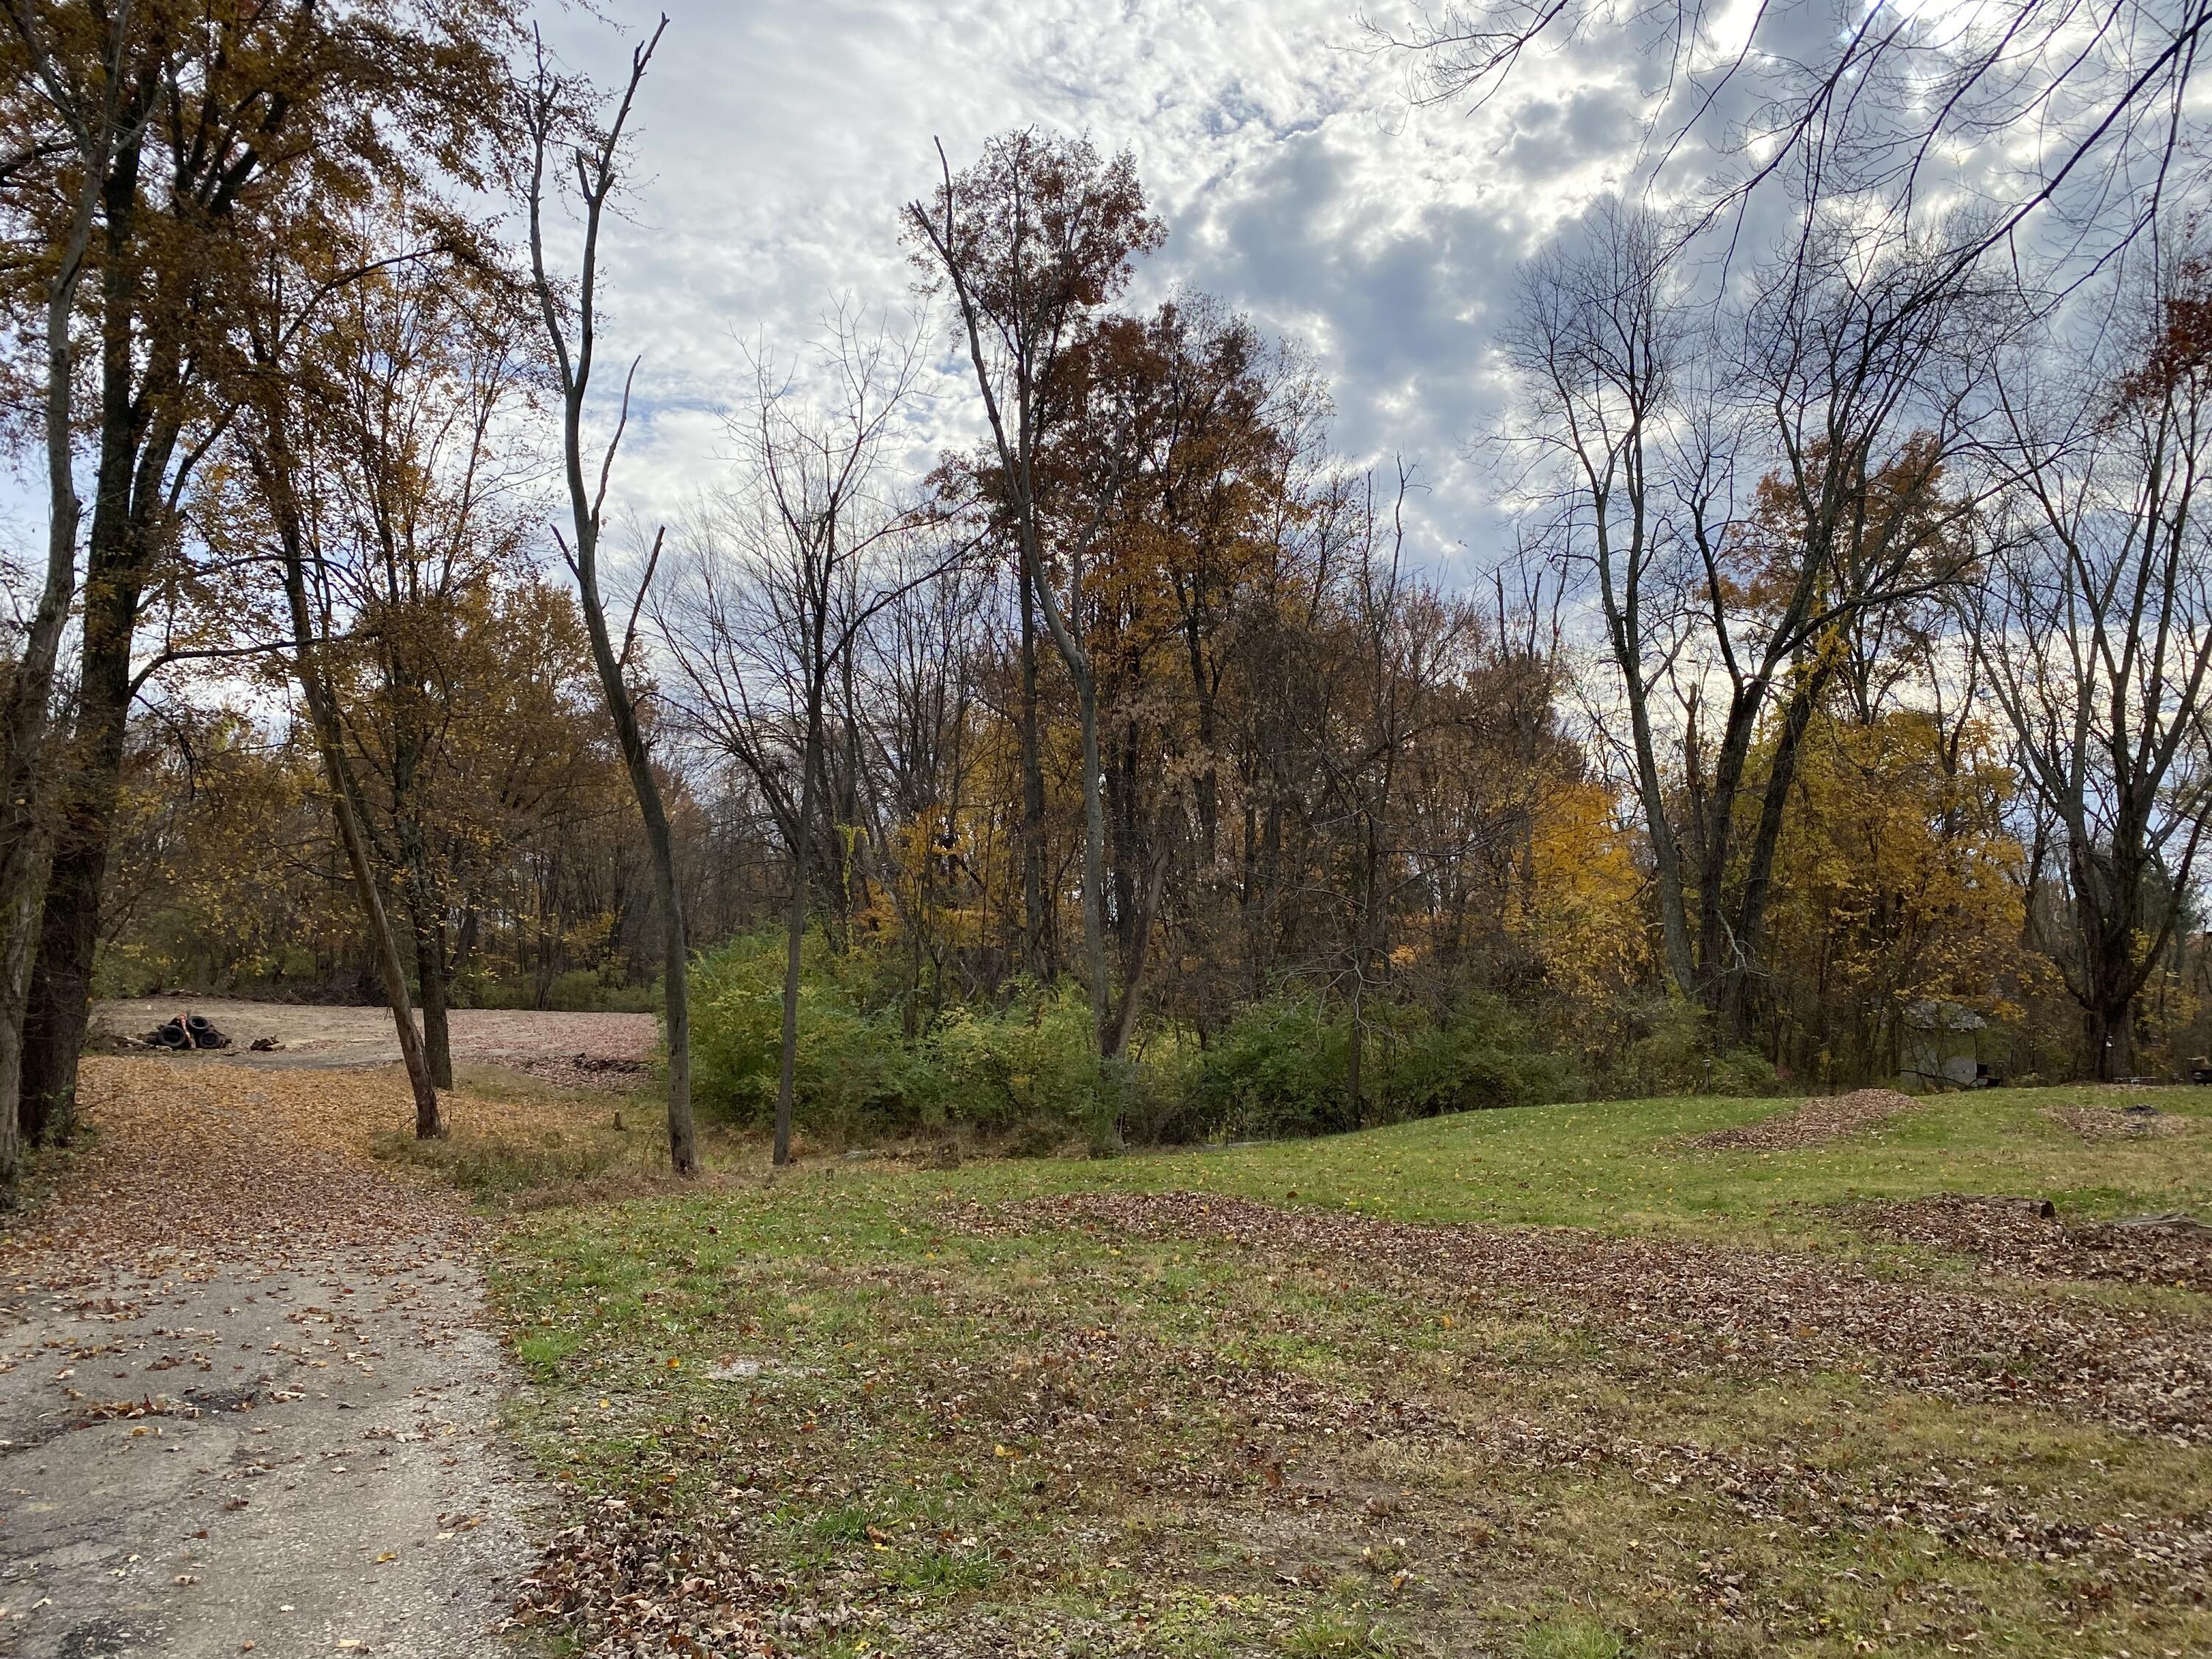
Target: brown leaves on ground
[[2166, 1555], [638, 1585], [2095, 1123], [585, 1071], [1273, 1476], [192, 1165], [2026, 1238], [1777, 1310], [1811, 1122]]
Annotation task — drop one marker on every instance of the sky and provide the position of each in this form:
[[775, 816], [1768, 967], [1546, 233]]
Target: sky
[[776, 141]]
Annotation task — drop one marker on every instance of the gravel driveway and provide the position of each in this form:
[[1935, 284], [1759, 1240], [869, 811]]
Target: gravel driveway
[[247, 1398]]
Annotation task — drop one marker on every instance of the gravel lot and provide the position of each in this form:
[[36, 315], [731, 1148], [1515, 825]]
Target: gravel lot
[[327, 1034]]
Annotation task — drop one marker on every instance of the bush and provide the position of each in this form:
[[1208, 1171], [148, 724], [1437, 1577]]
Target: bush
[[1741, 1071], [1022, 1071], [1643, 1043], [1480, 1056], [1031, 1059], [1278, 1069], [852, 1066], [1281, 1067]]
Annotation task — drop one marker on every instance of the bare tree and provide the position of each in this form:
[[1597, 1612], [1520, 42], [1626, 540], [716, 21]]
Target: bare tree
[[589, 149], [1888, 105], [774, 601], [922, 657], [1744, 488], [1398, 644], [2095, 634], [1603, 343]]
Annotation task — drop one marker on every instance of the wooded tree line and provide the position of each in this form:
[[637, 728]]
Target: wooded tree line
[[1849, 660]]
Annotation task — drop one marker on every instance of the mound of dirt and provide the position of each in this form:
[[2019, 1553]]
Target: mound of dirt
[[2024, 1238], [1811, 1122], [2094, 1124]]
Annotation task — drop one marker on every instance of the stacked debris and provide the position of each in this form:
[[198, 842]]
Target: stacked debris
[[186, 1031]]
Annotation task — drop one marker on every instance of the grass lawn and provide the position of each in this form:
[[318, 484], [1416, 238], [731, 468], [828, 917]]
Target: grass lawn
[[1040, 1407]]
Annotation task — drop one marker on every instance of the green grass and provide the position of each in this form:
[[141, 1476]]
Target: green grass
[[937, 1442]]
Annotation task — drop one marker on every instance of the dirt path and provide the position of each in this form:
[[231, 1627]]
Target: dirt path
[[247, 1399]]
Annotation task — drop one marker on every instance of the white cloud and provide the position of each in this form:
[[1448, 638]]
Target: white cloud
[[778, 138]]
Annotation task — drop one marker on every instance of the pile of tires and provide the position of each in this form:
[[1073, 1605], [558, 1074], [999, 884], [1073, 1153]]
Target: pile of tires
[[187, 1031]]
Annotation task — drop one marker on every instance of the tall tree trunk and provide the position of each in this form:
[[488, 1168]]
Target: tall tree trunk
[[435, 981], [795, 919], [1138, 950], [1355, 1105], [1363, 963], [274, 472], [595, 174], [2108, 1032], [426, 903], [26, 701], [675, 956], [1094, 869], [1040, 943], [140, 419], [1737, 992], [69, 939]]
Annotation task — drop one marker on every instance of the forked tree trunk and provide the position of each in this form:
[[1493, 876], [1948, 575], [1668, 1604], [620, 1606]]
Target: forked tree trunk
[[277, 485], [26, 701], [2108, 1034]]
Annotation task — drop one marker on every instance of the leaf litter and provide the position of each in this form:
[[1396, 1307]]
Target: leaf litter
[[1811, 1122], [2026, 1238], [1253, 1455], [2128, 1369]]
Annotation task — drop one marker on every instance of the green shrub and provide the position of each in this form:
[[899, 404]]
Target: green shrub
[[1643, 1043], [1277, 1068], [1030, 1060], [1023, 1070], [852, 1067], [1478, 1056], [1741, 1071], [1281, 1067]]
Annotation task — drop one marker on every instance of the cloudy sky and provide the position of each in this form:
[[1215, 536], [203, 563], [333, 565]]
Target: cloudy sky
[[778, 138]]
